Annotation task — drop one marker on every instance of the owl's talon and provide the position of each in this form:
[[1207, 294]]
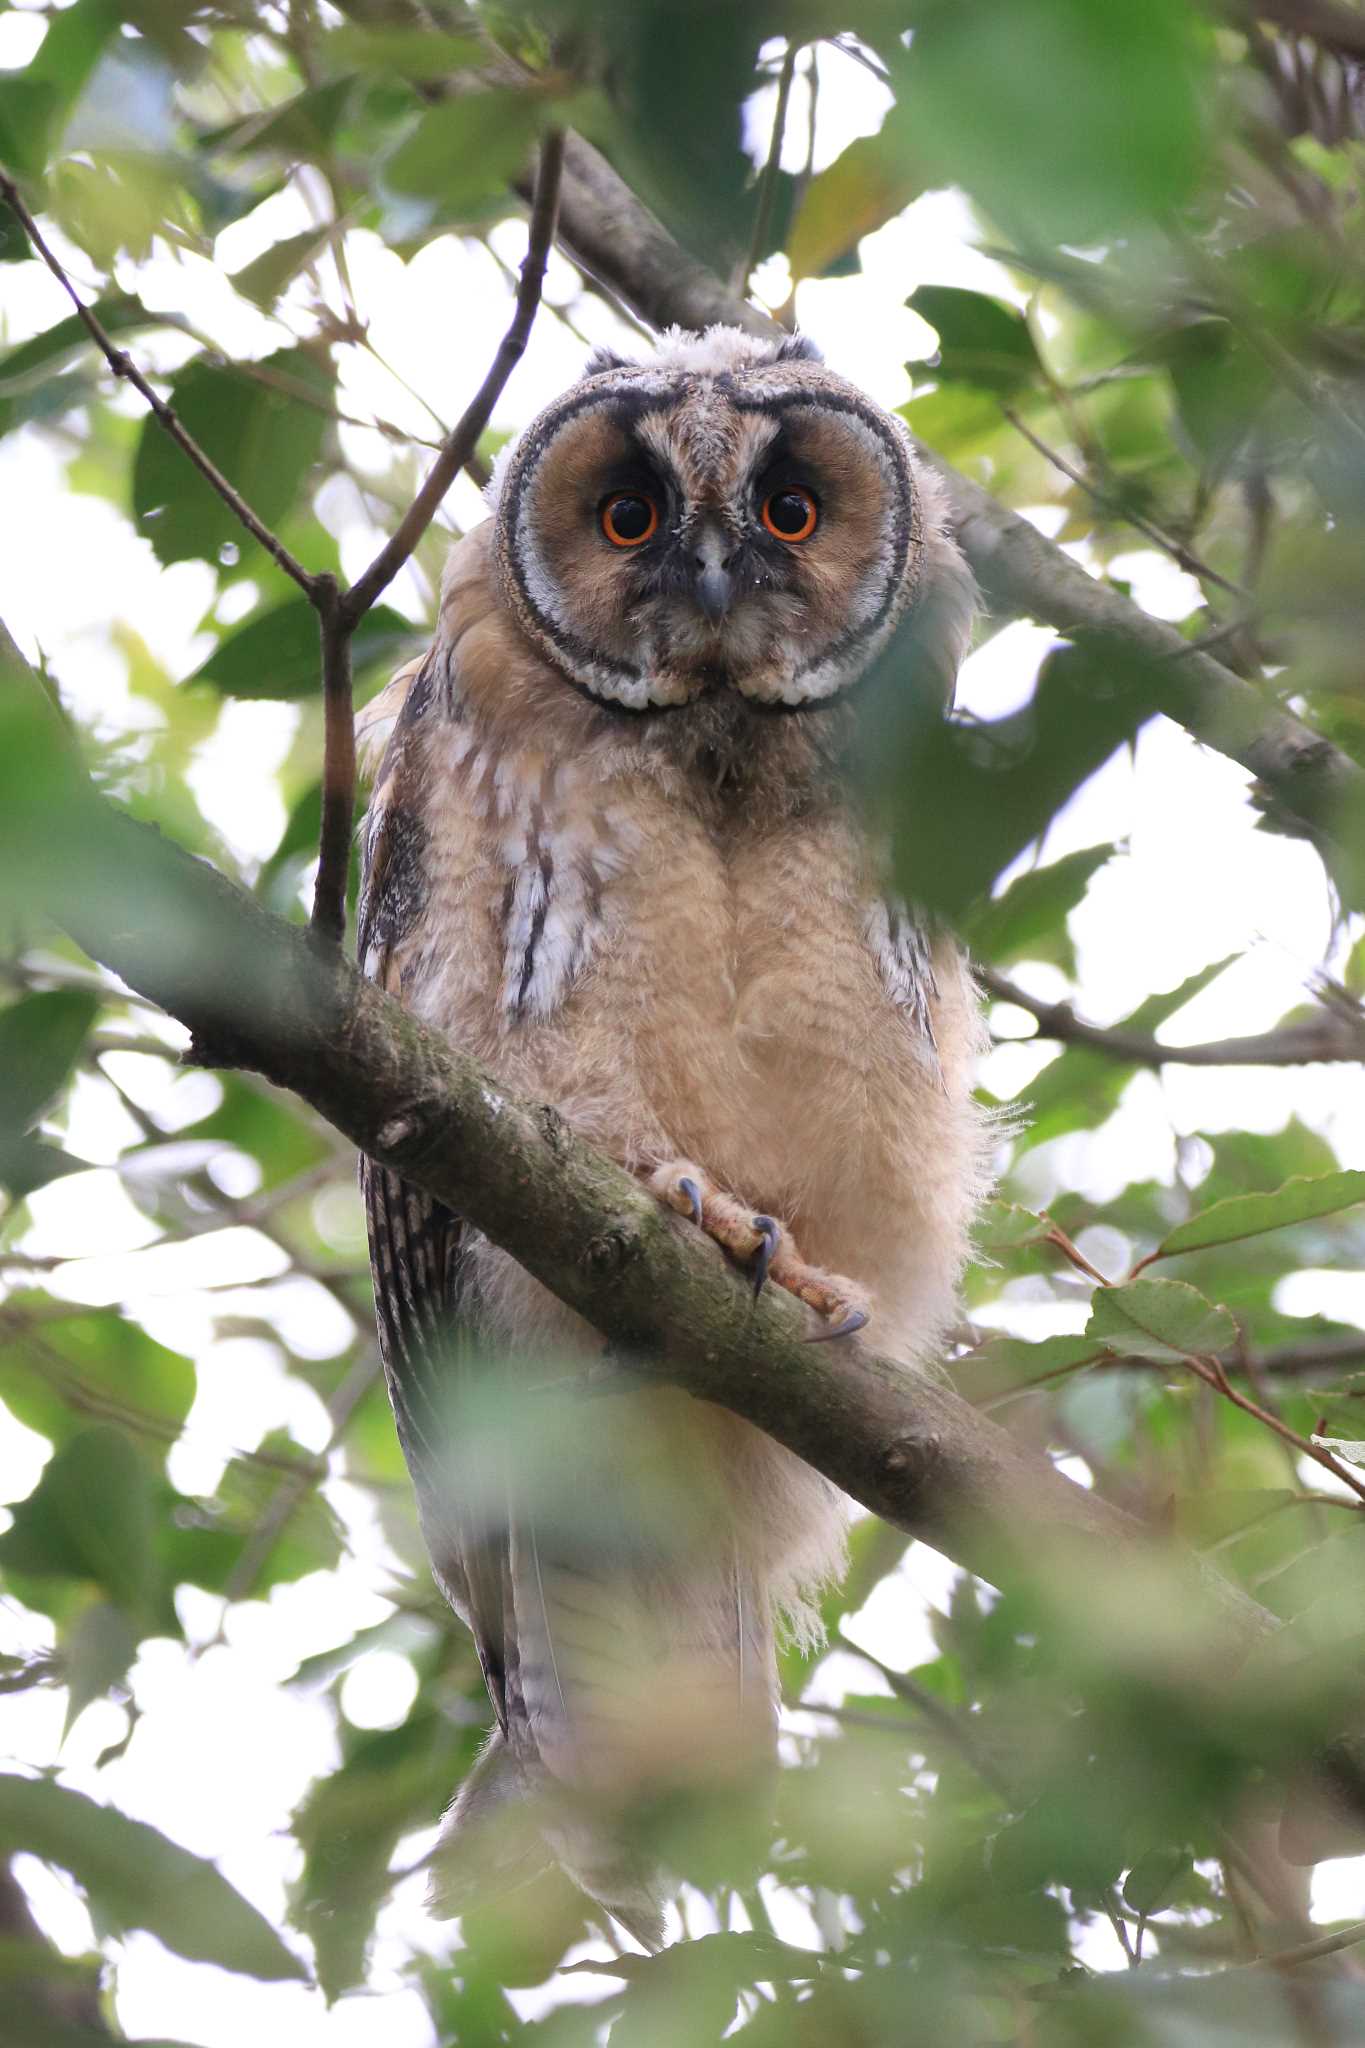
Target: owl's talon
[[769, 1238], [688, 1187], [857, 1319]]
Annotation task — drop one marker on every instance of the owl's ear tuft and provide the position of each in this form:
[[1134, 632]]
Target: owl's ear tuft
[[799, 348], [603, 359]]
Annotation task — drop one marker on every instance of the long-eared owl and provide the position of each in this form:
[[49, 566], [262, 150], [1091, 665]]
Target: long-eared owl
[[615, 849]]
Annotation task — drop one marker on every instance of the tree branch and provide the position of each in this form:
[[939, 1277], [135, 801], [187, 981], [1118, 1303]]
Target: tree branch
[[1326, 1036], [611, 234], [256, 993]]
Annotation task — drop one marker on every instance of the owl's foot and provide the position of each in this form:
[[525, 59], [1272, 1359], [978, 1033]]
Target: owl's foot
[[761, 1245]]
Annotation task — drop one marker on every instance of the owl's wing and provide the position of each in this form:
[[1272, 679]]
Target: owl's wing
[[427, 1338]]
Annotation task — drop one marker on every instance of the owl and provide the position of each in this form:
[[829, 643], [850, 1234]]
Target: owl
[[615, 849]]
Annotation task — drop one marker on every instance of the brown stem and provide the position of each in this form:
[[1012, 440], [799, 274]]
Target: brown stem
[[767, 191], [1111, 502], [328, 918], [1324, 1037], [1210, 1370], [463, 438]]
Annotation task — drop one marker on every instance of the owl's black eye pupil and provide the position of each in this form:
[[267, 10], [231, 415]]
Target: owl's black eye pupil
[[631, 517], [788, 511]]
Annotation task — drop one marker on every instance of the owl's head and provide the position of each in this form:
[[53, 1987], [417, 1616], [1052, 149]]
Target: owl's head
[[728, 515]]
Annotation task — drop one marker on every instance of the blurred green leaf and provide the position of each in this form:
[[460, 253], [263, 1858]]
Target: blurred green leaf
[[41, 1037], [1158, 1319], [981, 340], [1028, 920], [35, 102], [462, 152], [55, 1375], [138, 1878], [268, 275], [96, 1652], [867, 185], [90, 1517], [1064, 119], [1239, 1216]]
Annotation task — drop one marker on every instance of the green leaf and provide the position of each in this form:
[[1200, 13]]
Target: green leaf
[[40, 1041], [1002, 1225], [96, 1652], [302, 126], [1004, 1365], [46, 354], [462, 152], [411, 53], [90, 1517], [14, 242], [1155, 1878], [1029, 919], [138, 1878], [276, 654], [981, 341], [93, 1361], [1063, 118], [1298, 1201], [868, 184], [267, 275], [1159, 1319], [264, 439], [27, 1163], [350, 1822], [34, 103]]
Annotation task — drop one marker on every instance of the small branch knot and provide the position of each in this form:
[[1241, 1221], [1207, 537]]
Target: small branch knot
[[909, 1455], [399, 1130], [608, 1253]]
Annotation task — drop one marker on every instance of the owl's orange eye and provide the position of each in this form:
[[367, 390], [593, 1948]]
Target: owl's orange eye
[[629, 518], [791, 514]]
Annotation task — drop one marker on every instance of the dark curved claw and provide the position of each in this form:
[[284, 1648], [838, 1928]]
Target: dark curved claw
[[856, 1320], [770, 1236], [693, 1193]]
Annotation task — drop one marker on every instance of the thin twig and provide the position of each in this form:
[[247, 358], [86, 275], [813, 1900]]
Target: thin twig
[[122, 365], [1309, 1951], [328, 917], [464, 436], [1324, 1037], [1185, 559], [955, 1727], [1210, 1370], [767, 190]]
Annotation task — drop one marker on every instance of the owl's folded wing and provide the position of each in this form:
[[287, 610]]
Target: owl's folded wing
[[428, 1346]]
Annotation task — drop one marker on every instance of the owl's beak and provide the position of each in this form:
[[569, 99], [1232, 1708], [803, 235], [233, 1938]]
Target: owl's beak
[[713, 580]]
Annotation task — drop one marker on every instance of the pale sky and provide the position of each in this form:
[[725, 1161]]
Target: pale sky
[[225, 1748]]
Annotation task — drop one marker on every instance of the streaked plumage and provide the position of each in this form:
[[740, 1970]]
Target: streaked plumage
[[613, 850]]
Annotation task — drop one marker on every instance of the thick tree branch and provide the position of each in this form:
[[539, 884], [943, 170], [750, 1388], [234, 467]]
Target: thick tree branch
[[1325, 1036], [611, 234], [260, 993]]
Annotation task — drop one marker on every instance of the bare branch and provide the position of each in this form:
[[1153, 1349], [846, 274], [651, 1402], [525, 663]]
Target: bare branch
[[328, 916], [767, 190], [1327, 1036], [464, 435], [122, 365]]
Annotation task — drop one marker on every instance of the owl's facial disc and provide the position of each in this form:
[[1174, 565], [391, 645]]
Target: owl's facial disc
[[665, 534]]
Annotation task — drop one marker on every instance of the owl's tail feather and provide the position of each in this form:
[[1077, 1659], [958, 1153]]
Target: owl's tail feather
[[499, 1835], [489, 1842]]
